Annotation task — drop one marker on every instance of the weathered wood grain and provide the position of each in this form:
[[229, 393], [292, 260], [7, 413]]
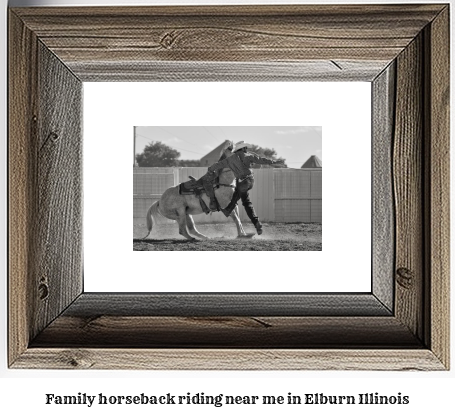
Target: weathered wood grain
[[408, 188], [21, 178], [53, 49], [256, 332], [44, 187], [231, 304], [383, 215], [57, 270], [437, 172], [228, 359], [272, 34], [156, 71]]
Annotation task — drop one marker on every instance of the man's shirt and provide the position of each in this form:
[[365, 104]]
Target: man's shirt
[[240, 164]]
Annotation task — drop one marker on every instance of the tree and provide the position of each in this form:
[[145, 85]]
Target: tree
[[189, 163], [157, 154], [270, 153]]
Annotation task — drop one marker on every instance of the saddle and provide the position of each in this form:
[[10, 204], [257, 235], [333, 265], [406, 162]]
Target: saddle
[[195, 187]]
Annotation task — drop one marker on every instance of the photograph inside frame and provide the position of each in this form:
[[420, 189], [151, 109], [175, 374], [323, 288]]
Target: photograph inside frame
[[227, 188]]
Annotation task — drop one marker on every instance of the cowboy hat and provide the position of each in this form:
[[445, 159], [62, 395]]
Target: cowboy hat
[[240, 145]]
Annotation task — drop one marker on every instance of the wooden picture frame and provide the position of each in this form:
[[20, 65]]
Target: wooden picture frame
[[403, 324]]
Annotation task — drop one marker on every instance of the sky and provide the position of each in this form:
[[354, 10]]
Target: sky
[[295, 144]]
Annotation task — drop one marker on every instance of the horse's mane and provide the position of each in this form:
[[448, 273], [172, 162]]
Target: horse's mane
[[223, 155], [227, 144]]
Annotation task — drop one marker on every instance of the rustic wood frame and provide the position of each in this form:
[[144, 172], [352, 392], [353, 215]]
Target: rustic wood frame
[[403, 324]]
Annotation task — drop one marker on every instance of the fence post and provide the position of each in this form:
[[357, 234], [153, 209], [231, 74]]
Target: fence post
[[176, 171]]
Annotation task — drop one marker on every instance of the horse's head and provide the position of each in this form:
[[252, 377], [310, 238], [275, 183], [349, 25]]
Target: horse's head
[[226, 150], [226, 176]]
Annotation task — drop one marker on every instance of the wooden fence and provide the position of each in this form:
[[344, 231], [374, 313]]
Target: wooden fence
[[278, 195], [298, 195]]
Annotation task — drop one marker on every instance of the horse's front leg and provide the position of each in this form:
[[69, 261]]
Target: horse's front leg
[[192, 228], [181, 220], [240, 231]]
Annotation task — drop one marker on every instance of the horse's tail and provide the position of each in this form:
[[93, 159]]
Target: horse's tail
[[150, 217]]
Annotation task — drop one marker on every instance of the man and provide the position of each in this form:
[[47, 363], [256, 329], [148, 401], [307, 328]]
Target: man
[[240, 163], [208, 178]]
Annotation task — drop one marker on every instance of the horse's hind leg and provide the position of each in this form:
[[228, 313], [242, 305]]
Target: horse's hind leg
[[240, 231], [181, 220], [192, 228], [235, 217]]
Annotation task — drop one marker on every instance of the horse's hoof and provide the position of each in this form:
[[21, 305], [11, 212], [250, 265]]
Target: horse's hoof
[[247, 235]]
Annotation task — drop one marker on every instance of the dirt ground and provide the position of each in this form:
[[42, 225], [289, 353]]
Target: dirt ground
[[223, 237]]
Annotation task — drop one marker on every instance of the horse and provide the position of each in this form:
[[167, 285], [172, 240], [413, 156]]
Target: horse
[[180, 207]]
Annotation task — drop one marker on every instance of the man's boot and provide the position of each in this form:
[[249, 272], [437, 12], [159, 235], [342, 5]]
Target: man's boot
[[258, 226], [251, 213]]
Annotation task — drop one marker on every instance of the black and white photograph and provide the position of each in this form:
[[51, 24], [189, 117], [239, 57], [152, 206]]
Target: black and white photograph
[[225, 188], [169, 142]]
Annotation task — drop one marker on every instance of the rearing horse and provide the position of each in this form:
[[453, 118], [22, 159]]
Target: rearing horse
[[173, 205]]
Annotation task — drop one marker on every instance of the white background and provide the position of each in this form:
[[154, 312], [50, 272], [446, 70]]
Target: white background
[[23, 391], [342, 109]]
